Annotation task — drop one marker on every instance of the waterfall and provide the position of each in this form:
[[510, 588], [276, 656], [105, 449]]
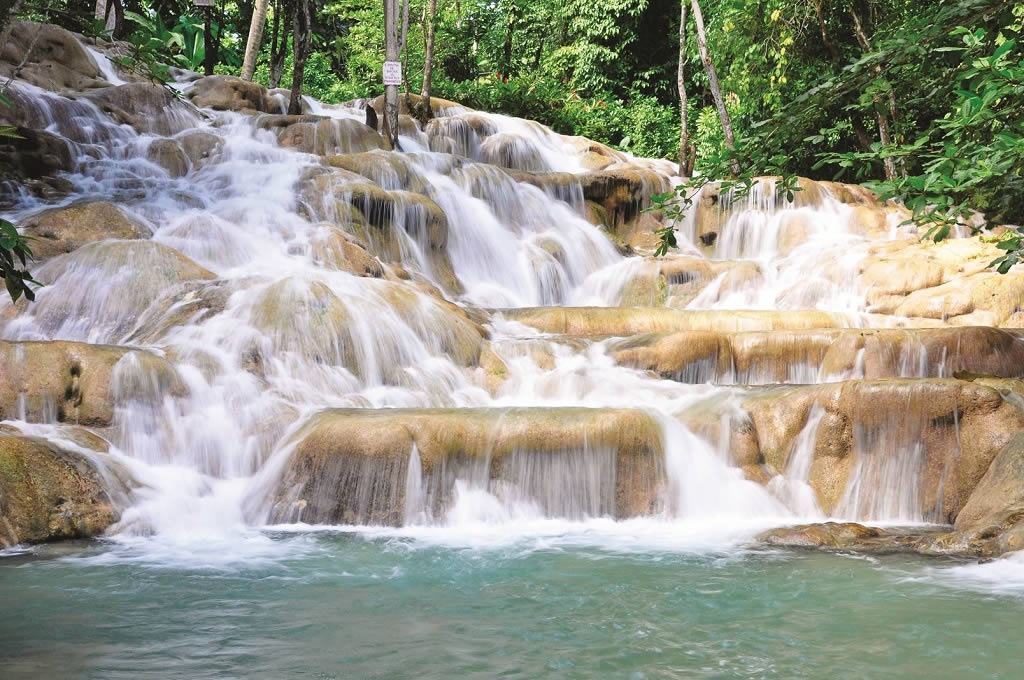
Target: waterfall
[[287, 279]]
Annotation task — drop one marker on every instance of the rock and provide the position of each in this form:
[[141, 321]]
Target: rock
[[916, 447], [322, 136], [168, 155], [61, 230], [823, 355], [70, 382], [847, 535], [623, 321], [991, 523], [146, 107], [199, 146], [58, 62], [228, 93], [351, 466], [440, 107], [31, 161], [99, 292], [333, 249], [49, 493]]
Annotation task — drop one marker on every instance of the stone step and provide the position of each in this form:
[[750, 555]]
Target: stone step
[[626, 321], [352, 466], [873, 448], [823, 355]]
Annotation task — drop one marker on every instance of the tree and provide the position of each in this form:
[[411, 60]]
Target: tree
[[685, 164], [428, 61], [302, 36], [252, 47], [278, 48], [393, 44], [716, 88]]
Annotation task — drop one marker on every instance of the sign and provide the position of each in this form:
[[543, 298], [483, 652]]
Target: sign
[[392, 73], [203, 3]]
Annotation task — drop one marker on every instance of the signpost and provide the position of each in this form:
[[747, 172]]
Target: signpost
[[392, 73]]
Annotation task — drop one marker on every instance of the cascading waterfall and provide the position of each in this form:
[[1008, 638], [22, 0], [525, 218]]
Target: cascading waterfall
[[246, 288]]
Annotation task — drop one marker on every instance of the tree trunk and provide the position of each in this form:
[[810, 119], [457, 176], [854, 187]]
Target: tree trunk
[[685, 169], [392, 52], [278, 50], [301, 37], [884, 135], [210, 55], [428, 61], [510, 27], [252, 47], [716, 89]]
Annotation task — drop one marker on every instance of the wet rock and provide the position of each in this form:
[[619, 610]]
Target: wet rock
[[58, 62], [916, 448], [228, 93], [99, 291], [146, 107], [334, 249], [200, 146], [69, 382], [32, 161], [848, 535], [991, 523], [623, 321], [168, 155], [351, 466], [322, 136], [61, 230], [407, 105], [799, 356], [48, 492]]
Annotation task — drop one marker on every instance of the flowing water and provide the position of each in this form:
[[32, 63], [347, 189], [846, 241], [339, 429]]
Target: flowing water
[[521, 573]]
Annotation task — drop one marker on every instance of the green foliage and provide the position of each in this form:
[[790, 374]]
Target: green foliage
[[14, 256]]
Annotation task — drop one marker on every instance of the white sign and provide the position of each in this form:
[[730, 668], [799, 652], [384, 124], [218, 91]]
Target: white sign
[[392, 73], [203, 3]]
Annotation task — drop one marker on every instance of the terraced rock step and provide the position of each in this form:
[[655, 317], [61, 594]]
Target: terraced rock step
[[823, 355], [624, 321], [913, 450], [361, 466]]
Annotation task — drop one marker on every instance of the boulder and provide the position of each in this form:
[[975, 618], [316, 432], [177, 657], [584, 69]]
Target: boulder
[[228, 93], [48, 492], [912, 450], [32, 161], [56, 231], [334, 249], [57, 62], [352, 466], [146, 107], [199, 146], [71, 382], [168, 155], [322, 136], [99, 291]]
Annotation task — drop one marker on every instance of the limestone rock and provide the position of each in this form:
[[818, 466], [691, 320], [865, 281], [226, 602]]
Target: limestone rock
[[146, 107], [322, 136], [58, 62], [49, 493], [71, 382], [351, 466], [228, 93], [61, 230]]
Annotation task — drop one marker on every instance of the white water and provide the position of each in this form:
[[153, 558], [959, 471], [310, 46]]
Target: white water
[[275, 333]]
